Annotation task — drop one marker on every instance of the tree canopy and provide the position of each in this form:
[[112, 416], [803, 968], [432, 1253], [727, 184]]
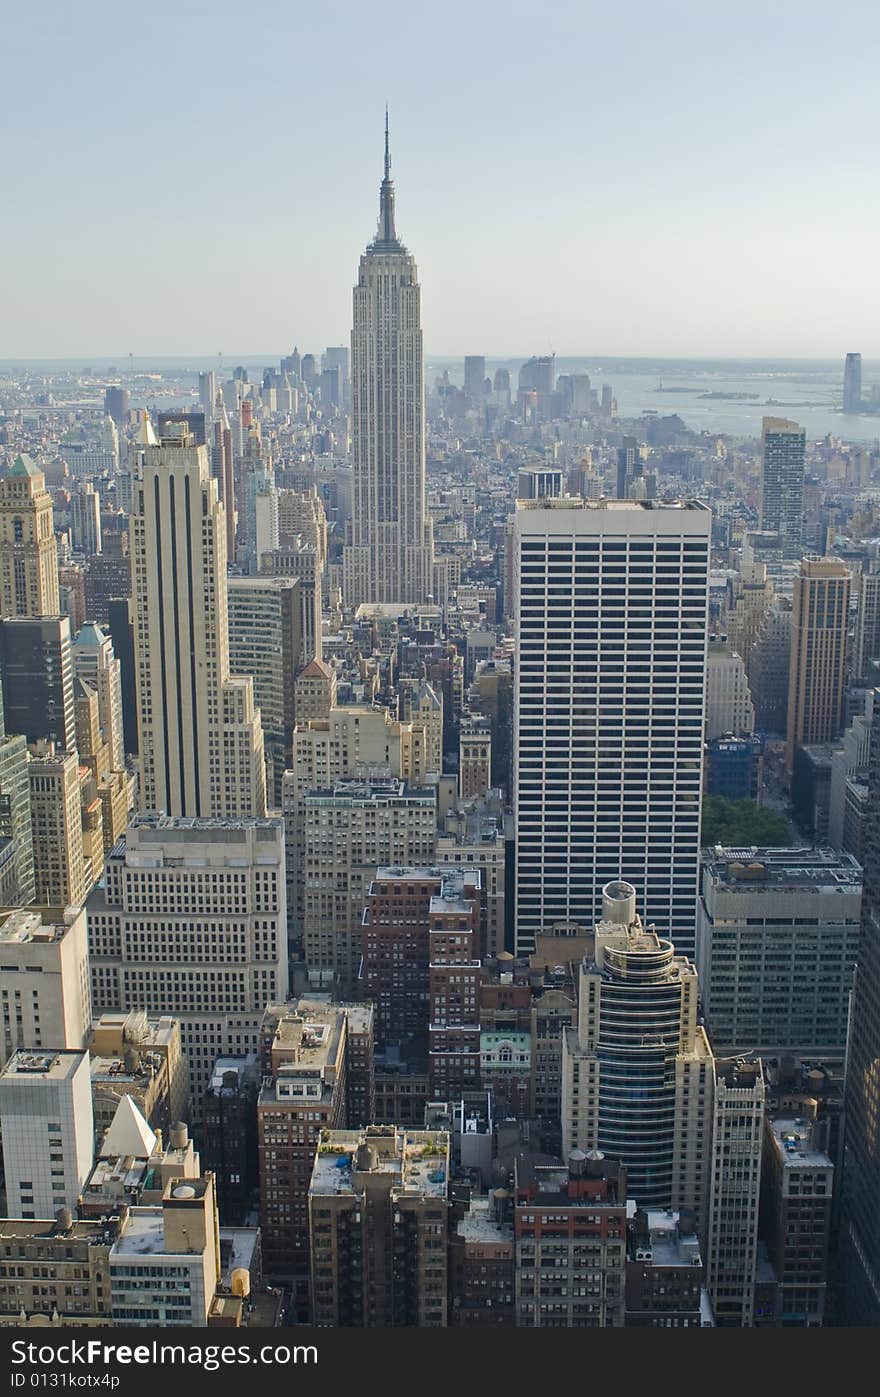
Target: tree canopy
[[742, 822]]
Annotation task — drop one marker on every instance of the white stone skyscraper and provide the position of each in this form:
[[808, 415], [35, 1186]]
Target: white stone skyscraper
[[201, 740], [391, 554], [611, 617]]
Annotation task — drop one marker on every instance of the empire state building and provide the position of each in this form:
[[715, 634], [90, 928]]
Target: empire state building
[[391, 553]]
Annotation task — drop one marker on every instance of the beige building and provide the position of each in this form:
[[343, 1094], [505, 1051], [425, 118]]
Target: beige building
[[475, 835], [60, 874], [28, 551], [201, 742], [349, 832], [190, 921], [753, 593], [61, 1266], [379, 1226], [45, 997], [135, 1056], [389, 556], [315, 692], [353, 740], [265, 643], [165, 1264], [729, 707], [817, 670], [638, 1056]]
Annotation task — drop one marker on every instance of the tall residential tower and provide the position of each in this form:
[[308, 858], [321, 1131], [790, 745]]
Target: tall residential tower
[[390, 557]]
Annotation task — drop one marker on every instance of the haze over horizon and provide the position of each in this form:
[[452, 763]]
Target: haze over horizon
[[657, 183]]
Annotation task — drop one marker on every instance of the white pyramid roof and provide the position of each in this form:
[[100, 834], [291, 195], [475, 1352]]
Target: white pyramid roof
[[129, 1133]]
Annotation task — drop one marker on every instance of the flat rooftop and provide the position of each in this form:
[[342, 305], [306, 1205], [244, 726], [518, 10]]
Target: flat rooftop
[[416, 1162], [794, 1140], [480, 1224], [55, 1065], [144, 1234], [33, 924], [753, 867]]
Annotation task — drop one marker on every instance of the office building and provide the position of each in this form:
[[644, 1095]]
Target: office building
[[729, 707], [570, 1227], [397, 920], [190, 921], [16, 830], [782, 483], [61, 875], [229, 1133], [637, 1075], [768, 669], [165, 1264], [141, 1058], [867, 633], [608, 709], [314, 692], [265, 643], [45, 997], [735, 1187], [36, 666], [474, 757], [852, 383], [116, 403], [28, 551], [664, 1271], [303, 1098], [796, 1188], [303, 562], [482, 1264], [475, 834], [379, 1218], [350, 831], [860, 1242], [201, 743], [48, 1135], [777, 941], [475, 378], [817, 668], [85, 520], [391, 554], [55, 1266], [95, 661]]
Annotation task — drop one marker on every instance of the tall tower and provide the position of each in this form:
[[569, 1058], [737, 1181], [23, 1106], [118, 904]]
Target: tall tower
[[391, 554], [819, 623], [782, 482], [28, 552], [852, 383], [638, 1072], [201, 741], [611, 607], [860, 1241]]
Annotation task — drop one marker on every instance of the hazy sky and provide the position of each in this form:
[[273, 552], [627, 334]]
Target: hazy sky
[[644, 177]]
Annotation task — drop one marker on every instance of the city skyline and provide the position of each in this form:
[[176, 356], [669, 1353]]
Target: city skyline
[[656, 233]]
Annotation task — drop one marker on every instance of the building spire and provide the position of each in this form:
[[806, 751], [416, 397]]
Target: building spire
[[386, 233]]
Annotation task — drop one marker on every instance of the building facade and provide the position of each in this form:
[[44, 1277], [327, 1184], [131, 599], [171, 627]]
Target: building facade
[[609, 709]]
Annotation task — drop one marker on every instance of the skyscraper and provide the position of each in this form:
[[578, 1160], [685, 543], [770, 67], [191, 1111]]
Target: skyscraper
[[475, 378], [16, 832], [638, 1072], [28, 552], [817, 670], [36, 665], [860, 1242], [852, 383], [201, 742], [609, 707], [391, 554], [782, 482]]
